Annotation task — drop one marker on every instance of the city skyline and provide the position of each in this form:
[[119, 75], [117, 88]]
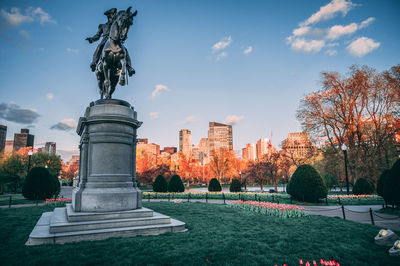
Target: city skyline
[[240, 63]]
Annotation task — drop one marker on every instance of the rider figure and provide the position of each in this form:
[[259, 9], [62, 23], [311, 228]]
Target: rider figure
[[103, 31]]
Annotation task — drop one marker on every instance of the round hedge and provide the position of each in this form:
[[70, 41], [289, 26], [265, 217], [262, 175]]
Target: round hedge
[[40, 184], [175, 184], [363, 187], [160, 184], [391, 192], [214, 185], [380, 188], [235, 186], [307, 184]]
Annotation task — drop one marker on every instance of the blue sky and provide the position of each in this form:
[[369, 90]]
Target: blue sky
[[244, 62]]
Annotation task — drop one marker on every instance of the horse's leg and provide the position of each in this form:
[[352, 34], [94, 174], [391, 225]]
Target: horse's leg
[[100, 83], [106, 70], [114, 81], [123, 71]]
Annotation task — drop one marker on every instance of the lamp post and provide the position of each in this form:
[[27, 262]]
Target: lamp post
[[30, 152], [344, 149]]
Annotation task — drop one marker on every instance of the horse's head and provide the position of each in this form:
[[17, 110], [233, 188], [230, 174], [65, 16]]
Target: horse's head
[[124, 21]]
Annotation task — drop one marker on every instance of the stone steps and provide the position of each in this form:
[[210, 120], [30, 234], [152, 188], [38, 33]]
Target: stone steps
[[56, 228]]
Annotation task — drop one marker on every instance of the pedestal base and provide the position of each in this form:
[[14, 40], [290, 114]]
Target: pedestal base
[[64, 225]]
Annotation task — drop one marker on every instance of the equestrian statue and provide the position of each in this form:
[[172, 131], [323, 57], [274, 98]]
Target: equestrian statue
[[111, 61]]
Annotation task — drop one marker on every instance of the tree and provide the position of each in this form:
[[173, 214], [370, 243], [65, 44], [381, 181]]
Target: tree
[[307, 184], [13, 170], [235, 186], [361, 111], [40, 184], [258, 172], [220, 162], [160, 184], [214, 185], [175, 184]]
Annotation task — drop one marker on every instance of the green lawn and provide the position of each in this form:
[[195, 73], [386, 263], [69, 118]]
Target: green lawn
[[392, 211], [16, 199], [217, 234]]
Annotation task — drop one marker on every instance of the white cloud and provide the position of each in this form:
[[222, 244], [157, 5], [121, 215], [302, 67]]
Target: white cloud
[[309, 47], [248, 50], [331, 52], [221, 55], [338, 30], [189, 119], [41, 15], [16, 18], [233, 119], [70, 50], [158, 89], [153, 115], [366, 22], [50, 96], [329, 11], [221, 45], [362, 46], [65, 125], [301, 31]]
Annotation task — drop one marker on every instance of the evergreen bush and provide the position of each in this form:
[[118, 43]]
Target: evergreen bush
[[214, 185], [235, 186], [40, 184], [160, 184], [381, 183], [175, 184], [307, 184], [363, 187], [391, 191]]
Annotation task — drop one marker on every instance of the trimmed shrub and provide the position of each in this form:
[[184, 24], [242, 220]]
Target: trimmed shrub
[[307, 184], [381, 183], [175, 184], [235, 186], [391, 191], [362, 187], [214, 185], [160, 184], [40, 184]]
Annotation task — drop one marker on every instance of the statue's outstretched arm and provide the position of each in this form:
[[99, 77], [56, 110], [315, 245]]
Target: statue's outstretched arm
[[97, 36]]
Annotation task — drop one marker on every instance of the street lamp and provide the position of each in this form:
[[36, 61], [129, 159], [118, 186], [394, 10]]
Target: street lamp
[[30, 152], [344, 149]]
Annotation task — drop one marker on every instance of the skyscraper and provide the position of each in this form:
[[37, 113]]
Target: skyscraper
[[263, 147], [23, 139], [3, 135], [298, 145], [50, 148], [219, 136], [185, 141], [249, 152]]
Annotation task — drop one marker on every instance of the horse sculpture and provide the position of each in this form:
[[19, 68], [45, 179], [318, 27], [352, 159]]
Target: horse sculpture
[[111, 67]]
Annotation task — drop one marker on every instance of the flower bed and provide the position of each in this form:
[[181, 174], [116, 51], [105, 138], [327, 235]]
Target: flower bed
[[269, 208], [218, 195], [352, 196], [57, 202]]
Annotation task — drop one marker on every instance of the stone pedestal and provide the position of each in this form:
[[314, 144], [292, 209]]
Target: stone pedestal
[[107, 158], [107, 202]]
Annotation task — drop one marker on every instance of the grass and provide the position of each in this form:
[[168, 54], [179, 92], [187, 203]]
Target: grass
[[16, 199], [217, 234], [392, 211]]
